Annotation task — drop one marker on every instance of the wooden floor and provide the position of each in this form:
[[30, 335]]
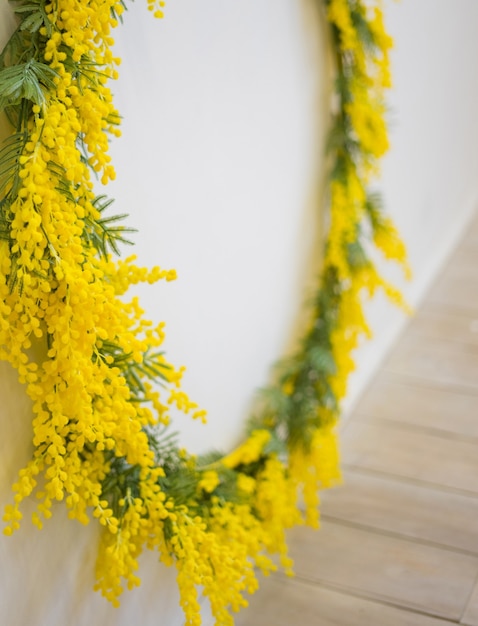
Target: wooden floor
[[399, 541]]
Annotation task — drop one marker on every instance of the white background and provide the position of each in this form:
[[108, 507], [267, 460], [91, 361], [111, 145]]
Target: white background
[[220, 167]]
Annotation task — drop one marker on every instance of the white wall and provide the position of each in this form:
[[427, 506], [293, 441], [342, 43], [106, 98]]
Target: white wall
[[225, 113], [224, 107]]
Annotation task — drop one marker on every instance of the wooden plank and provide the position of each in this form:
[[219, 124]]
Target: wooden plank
[[390, 569], [289, 602], [415, 402], [414, 511], [385, 447], [470, 617], [466, 253], [438, 321], [457, 287], [437, 360]]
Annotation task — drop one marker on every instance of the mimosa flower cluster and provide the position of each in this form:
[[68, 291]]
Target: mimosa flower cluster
[[94, 366]]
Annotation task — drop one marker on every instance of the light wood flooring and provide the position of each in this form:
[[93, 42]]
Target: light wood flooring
[[398, 544]]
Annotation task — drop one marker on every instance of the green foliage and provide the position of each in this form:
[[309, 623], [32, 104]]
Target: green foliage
[[322, 361], [356, 255], [25, 81], [362, 28], [10, 154], [151, 368], [375, 211], [105, 234]]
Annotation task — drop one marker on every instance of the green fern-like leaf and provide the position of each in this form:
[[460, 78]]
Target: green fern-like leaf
[[25, 81], [106, 234]]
